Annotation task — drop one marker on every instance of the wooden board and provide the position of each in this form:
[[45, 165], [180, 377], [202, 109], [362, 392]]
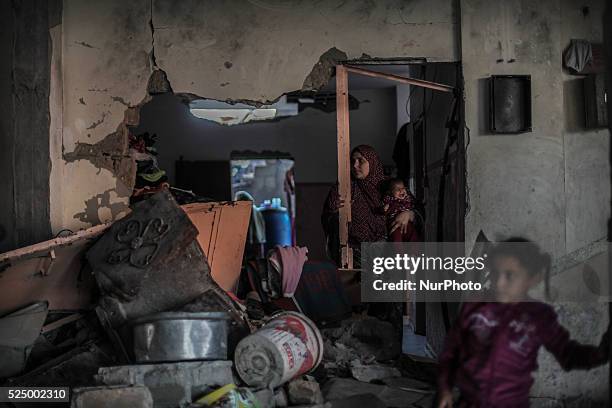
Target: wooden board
[[344, 163], [52, 270], [403, 80], [222, 231]]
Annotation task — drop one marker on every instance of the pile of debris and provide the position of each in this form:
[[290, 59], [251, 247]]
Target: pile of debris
[[163, 333]]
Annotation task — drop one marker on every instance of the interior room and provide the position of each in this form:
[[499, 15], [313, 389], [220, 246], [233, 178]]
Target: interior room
[[266, 203]]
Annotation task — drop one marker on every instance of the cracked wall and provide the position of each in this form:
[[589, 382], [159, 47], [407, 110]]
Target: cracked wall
[[258, 50], [240, 50], [105, 64]]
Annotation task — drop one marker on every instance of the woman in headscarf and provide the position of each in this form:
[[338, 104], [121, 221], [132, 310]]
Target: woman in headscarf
[[367, 215]]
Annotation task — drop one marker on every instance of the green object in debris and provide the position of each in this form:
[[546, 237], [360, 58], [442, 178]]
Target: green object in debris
[[229, 396], [153, 177]]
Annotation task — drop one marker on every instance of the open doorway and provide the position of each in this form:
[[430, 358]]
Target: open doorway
[[430, 162]]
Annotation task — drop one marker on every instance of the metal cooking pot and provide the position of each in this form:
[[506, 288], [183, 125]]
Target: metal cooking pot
[[180, 336]]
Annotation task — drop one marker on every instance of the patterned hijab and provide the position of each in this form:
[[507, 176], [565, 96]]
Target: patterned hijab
[[367, 219]]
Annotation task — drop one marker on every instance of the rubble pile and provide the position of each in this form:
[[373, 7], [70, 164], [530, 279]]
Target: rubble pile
[[164, 334]]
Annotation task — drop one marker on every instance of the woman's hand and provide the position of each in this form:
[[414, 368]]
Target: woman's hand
[[445, 400], [402, 220], [339, 204]]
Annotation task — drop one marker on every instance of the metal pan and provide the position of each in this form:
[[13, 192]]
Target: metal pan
[[180, 336]]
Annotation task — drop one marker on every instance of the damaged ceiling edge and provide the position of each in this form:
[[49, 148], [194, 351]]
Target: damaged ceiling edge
[[321, 73], [112, 152]]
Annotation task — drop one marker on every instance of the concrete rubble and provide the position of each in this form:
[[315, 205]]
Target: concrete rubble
[[369, 373], [357, 362], [171, 384], [119, 396], [304, 392]]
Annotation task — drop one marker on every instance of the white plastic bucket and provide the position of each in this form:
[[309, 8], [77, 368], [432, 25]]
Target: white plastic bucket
[[288, 346]]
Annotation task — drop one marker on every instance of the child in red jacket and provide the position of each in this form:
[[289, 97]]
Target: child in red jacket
[[492, 350]]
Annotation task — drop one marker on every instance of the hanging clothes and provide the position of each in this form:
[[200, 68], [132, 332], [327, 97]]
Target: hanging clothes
[[289, 261]]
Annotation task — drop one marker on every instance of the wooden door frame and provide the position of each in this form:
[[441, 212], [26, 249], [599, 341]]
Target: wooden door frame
[[344, 143]]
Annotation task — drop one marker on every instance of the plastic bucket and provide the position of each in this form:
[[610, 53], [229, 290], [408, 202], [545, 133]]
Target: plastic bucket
[[288, 346]]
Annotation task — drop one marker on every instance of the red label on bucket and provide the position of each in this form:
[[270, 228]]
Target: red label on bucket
[[301, 344], [290, 358]]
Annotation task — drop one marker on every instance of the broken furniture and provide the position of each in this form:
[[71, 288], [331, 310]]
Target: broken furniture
[[150, 262], [50, 276], [222, 229], [53, 271]]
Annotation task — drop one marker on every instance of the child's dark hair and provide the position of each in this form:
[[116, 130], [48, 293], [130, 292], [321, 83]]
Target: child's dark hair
[[529, 255], [387, 185]]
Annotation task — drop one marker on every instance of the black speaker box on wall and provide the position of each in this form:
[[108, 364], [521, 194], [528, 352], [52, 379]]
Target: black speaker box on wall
[[510, 103], [595, 101]]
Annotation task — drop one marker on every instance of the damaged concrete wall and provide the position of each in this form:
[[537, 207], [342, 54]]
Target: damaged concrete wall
[[24, 123], [258, 50], [224, 50], [551, 184], [105, 62]]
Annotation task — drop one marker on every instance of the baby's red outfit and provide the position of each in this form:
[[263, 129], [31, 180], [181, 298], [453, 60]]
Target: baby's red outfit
[[396, 206]]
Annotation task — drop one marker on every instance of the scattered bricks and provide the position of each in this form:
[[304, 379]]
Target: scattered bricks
[[304, 392], [369, 373], [112, 397], [173, 384]]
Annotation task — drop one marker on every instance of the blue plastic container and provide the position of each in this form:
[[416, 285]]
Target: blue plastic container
[[278, 224]]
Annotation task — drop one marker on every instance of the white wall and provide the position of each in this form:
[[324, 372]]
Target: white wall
[[310, 137]]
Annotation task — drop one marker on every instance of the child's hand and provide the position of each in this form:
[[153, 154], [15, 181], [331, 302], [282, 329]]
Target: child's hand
[[446, 399]]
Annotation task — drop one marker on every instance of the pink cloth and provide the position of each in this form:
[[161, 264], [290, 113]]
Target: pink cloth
[[292, 260]]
